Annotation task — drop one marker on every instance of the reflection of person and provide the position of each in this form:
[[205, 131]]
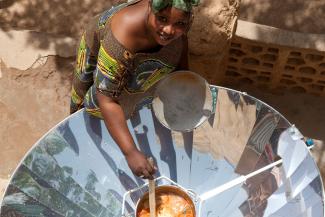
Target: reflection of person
[[127, 49], [260, 187]]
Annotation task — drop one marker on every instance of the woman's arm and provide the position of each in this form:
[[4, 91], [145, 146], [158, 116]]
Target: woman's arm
[[116, 125]]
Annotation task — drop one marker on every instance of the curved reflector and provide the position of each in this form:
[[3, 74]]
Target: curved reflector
[[245, 160]]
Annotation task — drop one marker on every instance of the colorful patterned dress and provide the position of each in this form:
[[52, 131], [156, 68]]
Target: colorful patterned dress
[[104, 65]]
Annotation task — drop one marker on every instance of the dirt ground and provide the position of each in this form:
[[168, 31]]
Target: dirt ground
[[31, 103], [298, 16]]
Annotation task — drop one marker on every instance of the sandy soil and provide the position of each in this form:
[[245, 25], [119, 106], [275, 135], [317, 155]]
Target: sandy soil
[[31, 103]]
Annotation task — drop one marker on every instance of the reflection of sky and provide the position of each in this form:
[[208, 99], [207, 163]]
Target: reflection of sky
[[299, 186], [225, 204], [292, 151], [147, 129], [303, 176], [208, 173], [182, 168], [300, 181], [308, 203]]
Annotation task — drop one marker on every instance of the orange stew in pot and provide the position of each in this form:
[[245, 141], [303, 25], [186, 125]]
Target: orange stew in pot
[[168, 205]]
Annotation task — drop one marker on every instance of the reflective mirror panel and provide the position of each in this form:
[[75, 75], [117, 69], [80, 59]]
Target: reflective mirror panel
[[245, 160]]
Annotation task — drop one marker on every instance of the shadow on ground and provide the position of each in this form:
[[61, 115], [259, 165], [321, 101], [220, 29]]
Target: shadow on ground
[[62, 18], [294, 15]]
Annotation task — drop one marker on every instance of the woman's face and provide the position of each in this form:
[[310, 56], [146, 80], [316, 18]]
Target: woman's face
[[168, 24]]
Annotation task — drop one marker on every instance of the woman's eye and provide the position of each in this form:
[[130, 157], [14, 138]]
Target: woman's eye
[[162, 19], [181, 24]]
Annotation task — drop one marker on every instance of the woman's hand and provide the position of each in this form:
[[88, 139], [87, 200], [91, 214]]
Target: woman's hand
[[140, 165]]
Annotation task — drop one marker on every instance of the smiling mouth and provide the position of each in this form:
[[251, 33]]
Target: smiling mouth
[[164, 37]]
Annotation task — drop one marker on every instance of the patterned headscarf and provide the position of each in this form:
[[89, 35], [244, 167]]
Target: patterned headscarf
[[184, 5]]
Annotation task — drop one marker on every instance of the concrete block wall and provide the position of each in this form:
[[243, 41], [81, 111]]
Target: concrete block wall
[[287, 61]]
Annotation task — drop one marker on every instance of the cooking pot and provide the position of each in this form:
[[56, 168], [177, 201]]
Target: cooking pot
[[172, 194]]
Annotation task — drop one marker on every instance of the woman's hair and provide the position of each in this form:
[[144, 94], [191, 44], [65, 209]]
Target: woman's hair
[[184, 5]]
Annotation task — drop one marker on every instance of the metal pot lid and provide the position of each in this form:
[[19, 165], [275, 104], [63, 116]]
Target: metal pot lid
[[182, 101]]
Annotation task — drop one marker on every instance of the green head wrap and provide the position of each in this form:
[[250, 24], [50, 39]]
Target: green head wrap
[[184, 5]]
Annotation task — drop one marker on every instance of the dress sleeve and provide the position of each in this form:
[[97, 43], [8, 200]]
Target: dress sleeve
[[85, 65], [111, 76]]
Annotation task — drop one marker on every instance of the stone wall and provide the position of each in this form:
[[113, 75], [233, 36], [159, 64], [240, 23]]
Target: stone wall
[[210, 35]]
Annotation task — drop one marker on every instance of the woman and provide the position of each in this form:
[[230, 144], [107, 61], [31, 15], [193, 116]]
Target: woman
[[124, 51]]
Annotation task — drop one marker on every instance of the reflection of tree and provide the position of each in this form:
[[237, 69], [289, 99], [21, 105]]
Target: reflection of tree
[[41, 162], [47, 196], [26, 210], [22, 207], [17, 204], [68, 170], [66, 132], [28, 160], [115, 203], [54, 143], [45, 167], [91, 182]]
